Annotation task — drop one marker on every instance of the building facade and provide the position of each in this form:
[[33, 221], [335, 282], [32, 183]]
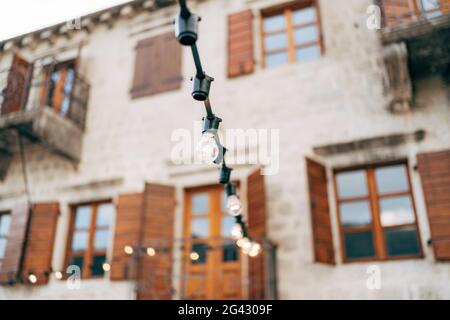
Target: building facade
[[351, 199]]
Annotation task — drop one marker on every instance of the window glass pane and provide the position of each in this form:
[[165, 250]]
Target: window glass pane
[[200, 203], [276, 41], [355, 214], [351, 184], [276, 59], [105, 213], [2, 247], [230, 251], [97, 265], [200, 228], [402, 241], [274, 23], [308, 54], [201, 250], [395, 211], [391, 179], [305, 15], [80, 240], [304, 35], [359, 245], [5, 220], [83, 217], [227, 223], [223, 199], [77, 261], [101, 239]]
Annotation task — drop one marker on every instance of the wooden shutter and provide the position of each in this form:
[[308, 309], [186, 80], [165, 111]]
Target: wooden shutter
[[434, 169], [12, 261], [18, 85], [256, 200], [240, 44], [41, 237], [155, 273], [157, 66], [320, 212], [396, 12], [128, 225], [445, 6]]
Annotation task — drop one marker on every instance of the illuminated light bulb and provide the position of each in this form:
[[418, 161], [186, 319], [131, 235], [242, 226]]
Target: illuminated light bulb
[[194, 256], [254, 250], [151, 252], [32, 278], [236, 231], [207, 148], [106, 267], [128, 250], [244, 244], [58, 275], [234, 205]]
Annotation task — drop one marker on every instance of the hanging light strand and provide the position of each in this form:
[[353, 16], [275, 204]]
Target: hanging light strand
[[210, 149]]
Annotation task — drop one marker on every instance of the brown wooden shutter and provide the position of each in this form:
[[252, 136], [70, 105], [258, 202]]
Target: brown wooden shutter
[[240, 44], [434, 169], [12, 261], [18, 85], [320, 212], [155, 273], [445, 6], [256, 200], [396, 12], [157, 66], [41, 237], [128, 225]]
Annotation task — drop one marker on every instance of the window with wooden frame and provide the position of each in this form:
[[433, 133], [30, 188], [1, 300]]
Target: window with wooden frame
[[291, 33], [376, 213], [89, 237], [403, 11], [5, 221]]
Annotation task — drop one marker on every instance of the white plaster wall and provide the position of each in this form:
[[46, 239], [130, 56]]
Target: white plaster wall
[[337, 98]]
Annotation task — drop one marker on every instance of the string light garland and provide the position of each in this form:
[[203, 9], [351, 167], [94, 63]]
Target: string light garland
[[210, 149]]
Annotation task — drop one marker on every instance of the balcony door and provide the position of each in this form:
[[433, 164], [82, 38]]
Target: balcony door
[[212, 262]]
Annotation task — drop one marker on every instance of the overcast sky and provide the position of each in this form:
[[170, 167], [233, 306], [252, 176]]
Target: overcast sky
[[22, 16]]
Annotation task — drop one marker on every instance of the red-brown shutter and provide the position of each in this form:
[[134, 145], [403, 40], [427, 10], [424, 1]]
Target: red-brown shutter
[[18, 85], [445, 6], [320, 212], [240, 44], [12, 260], [128, 225], [157, 66], [155, 273], [434, 169], [256, 200], [41, 237], [396, 12]]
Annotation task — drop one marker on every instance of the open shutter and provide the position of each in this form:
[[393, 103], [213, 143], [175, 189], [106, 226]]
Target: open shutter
[[320, 212], [256, 200], [157, 66], [240, 44], [396, 12], [155, 273], [41, 237], [128, 226], [17, 86], [434, 169], [12, 260]]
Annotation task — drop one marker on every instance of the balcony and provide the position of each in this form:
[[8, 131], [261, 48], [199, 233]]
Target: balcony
[[44, 105]]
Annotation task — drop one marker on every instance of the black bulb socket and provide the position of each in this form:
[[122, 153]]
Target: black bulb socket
[[201, 86], [186, 29]]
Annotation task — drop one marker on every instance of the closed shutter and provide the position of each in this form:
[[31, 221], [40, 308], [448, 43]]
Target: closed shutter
[[12, 260], [155, 273], [396, 12], [445, 6], [434, 169], [157, 66], [320, 212], [18, 85], [128, 226], [240, 44], [256, 200], [41, 237]]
